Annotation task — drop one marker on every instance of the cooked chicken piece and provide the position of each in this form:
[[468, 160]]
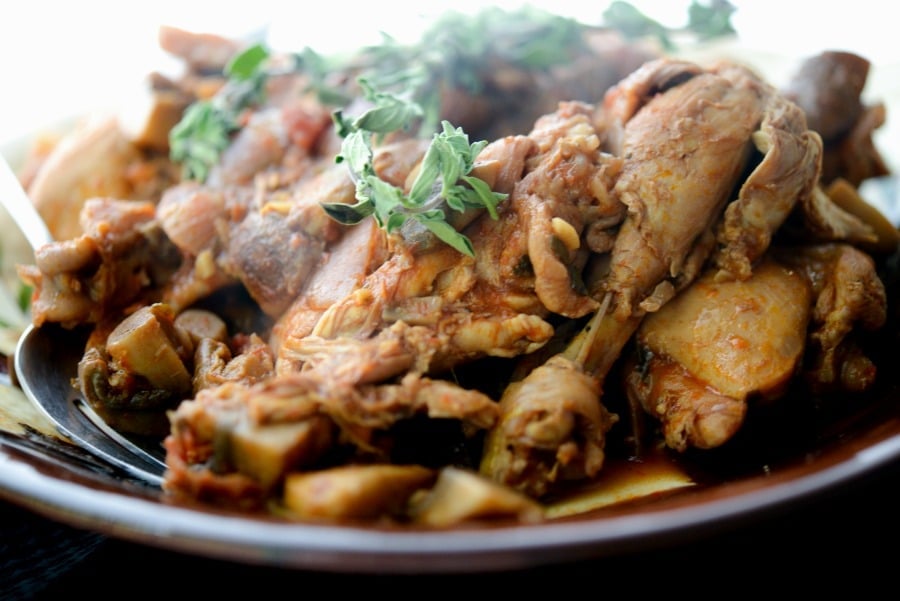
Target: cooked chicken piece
[[200, 51], [552, 429], [559, 198], [91, 161], [267, 143], [272, 244], [786, 176], [342, 270], [197, 278], [272, 259], [121, 256], [191, 214], [246, 359], [689, 412], [825, 220], [685, 151], [850, 298], [395, 354], [437, 290], [379, 358], [717, 346]]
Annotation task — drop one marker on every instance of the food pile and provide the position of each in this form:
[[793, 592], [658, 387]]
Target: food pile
[[456, 288]]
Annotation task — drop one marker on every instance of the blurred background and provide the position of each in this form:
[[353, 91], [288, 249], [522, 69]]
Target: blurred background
[[62, 58]]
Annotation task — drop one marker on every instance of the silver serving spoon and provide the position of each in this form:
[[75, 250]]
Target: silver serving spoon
[[46, 359]]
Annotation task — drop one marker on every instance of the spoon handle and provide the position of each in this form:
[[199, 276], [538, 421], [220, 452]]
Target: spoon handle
[[21, 209]]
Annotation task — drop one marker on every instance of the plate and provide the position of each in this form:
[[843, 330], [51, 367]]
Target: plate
[[68, 488], [121, 508]]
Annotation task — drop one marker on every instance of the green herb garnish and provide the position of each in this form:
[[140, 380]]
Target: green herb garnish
[[23, 298], [443, 179], [458, 50], [461, 51], [205, 129], [711, 21], [704, 21]]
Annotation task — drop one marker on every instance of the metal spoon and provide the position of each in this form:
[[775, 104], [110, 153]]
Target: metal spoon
[[46, 359]]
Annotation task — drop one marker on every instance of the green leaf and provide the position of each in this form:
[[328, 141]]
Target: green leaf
[[632, 23], [387, 199], [486, 197], [389, 113], [199, 138], [245, 64], [357, 152], [424, 184], [442, 177], [319, 68], [24, 297], [445, 232], [348, 214], [711, 21]]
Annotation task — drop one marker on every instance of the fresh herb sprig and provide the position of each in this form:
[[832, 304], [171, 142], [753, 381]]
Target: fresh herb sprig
[[462, 50], [443, 179], [705, 22], [458, 50], [205, 129]]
